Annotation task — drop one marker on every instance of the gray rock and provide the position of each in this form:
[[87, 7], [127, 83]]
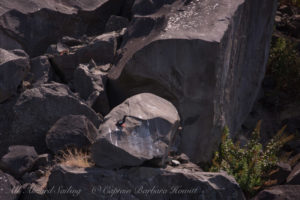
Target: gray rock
[[10, 189], [143, 184], [101, 49], [35, 25], [138, 130], [14, 66], [294, 177], [90, 84], [39, 108], [116, 23], [279, 192], [41, 70], [207, 57], [71, 131], [6, 118], [18, 160]]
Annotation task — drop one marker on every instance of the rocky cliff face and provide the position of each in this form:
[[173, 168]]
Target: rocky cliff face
[[135, 81]]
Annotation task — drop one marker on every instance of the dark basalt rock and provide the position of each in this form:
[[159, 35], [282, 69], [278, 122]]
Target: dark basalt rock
[[10, 188], [34, 25], [207, 57], [100, 49], [142, 183], [18, 160], [71, 131], [14, 65], [39, 108], [279, 192], [90, 83], [140, 129]]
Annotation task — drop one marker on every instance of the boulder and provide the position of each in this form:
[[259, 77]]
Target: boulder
[[142, 184], [35, 25], [279, 192], [116, 23], [294, 177], [138, 130], [90, 84], [14, 66], [207, 57], [71, 131], [10, 189], [18, 160], [39, 108], [6, 118], [101, 49], [40, 70]]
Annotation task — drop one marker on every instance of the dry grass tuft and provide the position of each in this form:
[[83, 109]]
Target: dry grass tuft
[[74, 157]]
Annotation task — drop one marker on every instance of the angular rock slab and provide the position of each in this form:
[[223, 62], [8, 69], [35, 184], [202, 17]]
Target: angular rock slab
[[101, 49], [90, 84], [39, 108], [14, 66], [294, 177], [279, 192], [207, 57], [18, 160], [71, 131], [35, 24], [143, 184], [10, 188], [138, 130]]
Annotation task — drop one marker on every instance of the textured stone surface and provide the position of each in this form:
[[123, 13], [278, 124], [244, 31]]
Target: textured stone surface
[[207, 57], [39, 108], [36, 24], [14, 66], [9, 187], [90, 84], [294, 177], [143, 184], [41, 71], [71, 131], [101, 49], [18, 160], [279, 192], [138, 130]]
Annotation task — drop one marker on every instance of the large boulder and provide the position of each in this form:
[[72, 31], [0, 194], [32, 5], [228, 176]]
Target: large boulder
[[142, 184], [14, 66], [71, 131], [138, 130], [18, 160], [10, 189], [39, 108], [207, 57], [35, 24], [279, 192]]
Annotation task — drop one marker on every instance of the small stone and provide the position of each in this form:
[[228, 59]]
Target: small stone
[[175, 162]]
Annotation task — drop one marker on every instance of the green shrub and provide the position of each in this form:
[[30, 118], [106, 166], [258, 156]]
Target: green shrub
[[284, 66], [251, 164]]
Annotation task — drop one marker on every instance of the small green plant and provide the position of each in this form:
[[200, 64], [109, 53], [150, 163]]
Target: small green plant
[[251, 164]]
